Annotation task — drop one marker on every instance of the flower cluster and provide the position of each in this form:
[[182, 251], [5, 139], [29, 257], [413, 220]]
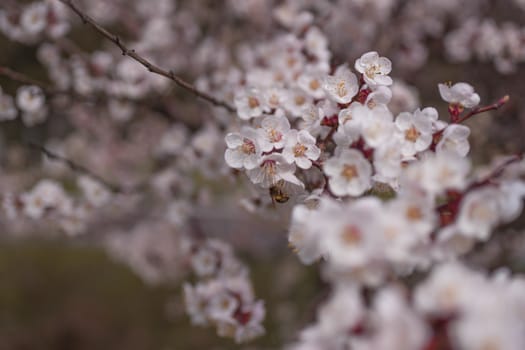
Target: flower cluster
[[35, 21], [380, 190], [48, 200], [428, 206], [343, 127], [487, 41], [453, 308], [438, 213], [224, 296], [31, 103]]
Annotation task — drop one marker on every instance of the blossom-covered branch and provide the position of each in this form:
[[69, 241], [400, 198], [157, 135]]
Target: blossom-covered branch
[[146, 63]]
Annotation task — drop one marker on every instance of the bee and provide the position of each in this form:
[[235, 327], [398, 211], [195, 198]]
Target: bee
[[277, 192]]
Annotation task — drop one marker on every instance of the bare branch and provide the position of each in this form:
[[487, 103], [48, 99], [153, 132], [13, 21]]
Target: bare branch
[[24, 79], [146, 63], [80, 169]]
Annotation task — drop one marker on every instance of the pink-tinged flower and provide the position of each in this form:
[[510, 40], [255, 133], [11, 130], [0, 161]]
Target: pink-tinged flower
[[462, 94], [312, 84], [250, 103], [377, 126], [30, 99], [273, 132], [387, 161], [455, 140], [399, 326], [342, 86], [379, 97], [34, 18], [301, 148], [350, 238], [349, 173], [46, 195], [302, 236], [350, 120], [243, 149], [272, 169], [96, 193], [445, 290], [415, 131], [436, 173], [375, 69], [311, 119], [479, 213]]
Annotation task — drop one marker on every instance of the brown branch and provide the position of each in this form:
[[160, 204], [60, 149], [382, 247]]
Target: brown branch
[[80, 169], [479, 110], [24, 79], [147, 64], [52, 91]]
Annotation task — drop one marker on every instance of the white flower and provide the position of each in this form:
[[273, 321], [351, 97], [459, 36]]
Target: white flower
[[222, 306], [343, 311], [342, 86], [316, 44], [204, 262], [243, 149], [417, 210], [311, 119], [375, 69], [387, 159], [455, 140], [349, 173], [379, 97], [479, 213], [351, 119], [7, 108], [44, 196], [460, 93], [249, 328], [250, 103], [511, 199], [415, 131], [302, 237], [273, 132], [437, 172], [300, 147], [275, 97], [350, 238], [196, 301], [445, 290], [272, 169], [96, 194], [399, 327], [295, 101], [312, 84], [377, 126], [34, 18], [73, 219], [30, 99]]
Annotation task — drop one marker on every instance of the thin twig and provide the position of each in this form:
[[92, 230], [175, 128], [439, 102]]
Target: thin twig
[[24, 79], [80, 169], [479, 110], [147, 64], [53, 91]]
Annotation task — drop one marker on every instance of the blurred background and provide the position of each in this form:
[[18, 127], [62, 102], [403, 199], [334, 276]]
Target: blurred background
[[67, 291]]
